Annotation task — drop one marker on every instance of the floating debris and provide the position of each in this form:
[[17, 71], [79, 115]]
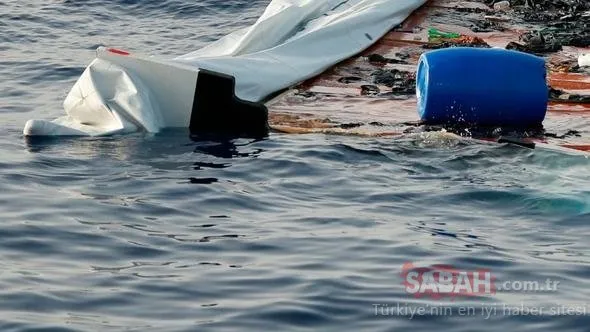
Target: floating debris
[[462, 41], [400, 82], [566, 20], [536, 42], [305, 93], [349, 79], [569, 133], [560, 95], [370, 90], [502, 6], [351, 125], [380, 59]]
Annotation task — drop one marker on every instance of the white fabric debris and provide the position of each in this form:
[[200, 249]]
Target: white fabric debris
[[292, 41]]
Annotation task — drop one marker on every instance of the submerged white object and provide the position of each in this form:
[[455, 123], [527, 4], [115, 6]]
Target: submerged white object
[[502, 6], [292, 41], [584, 60]]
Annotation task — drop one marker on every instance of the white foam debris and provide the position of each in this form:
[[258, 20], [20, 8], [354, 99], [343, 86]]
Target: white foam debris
[[502, 6]]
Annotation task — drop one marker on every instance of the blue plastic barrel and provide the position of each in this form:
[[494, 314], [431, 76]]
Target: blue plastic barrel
[[485, 87]]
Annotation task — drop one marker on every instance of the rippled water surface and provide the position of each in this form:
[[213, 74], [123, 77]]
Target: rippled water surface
[[310, 232]]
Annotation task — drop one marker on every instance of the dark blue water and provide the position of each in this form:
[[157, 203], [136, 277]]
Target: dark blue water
[[161, 233]]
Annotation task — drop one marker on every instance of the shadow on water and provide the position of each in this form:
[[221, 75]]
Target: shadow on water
[[220, 146], [152, 149], [225, 147]]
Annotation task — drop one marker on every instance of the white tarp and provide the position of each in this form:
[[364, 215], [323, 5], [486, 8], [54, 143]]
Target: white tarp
[[292, 41]]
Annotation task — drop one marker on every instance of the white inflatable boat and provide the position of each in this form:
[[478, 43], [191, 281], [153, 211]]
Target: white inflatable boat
[[222, 87]]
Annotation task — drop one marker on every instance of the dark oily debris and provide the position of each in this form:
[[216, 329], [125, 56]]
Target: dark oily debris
[[349, 79], [474, 19], [400, 82], [351, 125], [472, 10], [377, 58], [559, 95], [370, 90], [569, 65], [486, 25], [404, 55], [396, 95], [565, 21], [536, 42], [305, 93], [517, 141], [463, 41], [572, 67], [568, 134], [380, 59], [360, 124], [577, 69], [577, 35], [551, 7]]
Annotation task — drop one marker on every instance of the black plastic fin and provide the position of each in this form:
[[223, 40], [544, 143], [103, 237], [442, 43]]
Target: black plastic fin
[[217, 110], [516, 141]]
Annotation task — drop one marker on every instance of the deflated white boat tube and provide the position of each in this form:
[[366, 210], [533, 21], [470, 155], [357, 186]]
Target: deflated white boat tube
[[221, 87]]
